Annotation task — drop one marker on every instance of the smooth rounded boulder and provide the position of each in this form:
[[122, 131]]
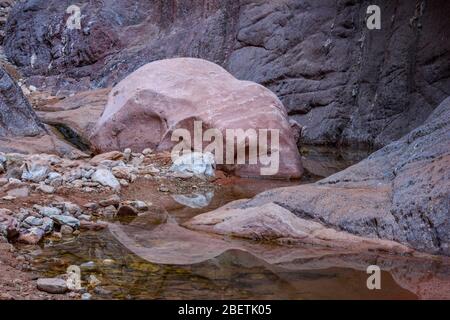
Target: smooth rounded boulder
[[145, 109]]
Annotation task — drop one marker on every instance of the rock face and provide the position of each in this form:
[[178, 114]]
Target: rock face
[[9, 226], [400, 193], [146, 108], [343, 82], [20, 129], [272, 222], [5, 8], [76, 116], [17, 118]]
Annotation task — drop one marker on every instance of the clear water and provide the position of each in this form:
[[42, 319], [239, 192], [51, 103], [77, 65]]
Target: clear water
[[152, 257]]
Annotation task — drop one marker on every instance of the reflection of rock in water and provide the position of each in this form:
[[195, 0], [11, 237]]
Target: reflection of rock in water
[[236, 269], [195, 200], [155, 258], [173, 245], [324, 161]]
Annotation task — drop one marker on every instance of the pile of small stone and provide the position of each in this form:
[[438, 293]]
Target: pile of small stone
[[46, 173], [113, 207], [31, 225], [108, 171]]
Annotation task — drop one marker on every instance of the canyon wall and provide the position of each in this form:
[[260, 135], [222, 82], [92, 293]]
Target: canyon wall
[[344, 83]]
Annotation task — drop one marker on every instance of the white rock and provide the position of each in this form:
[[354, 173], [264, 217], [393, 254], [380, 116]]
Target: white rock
[[150, 170], [106, 178], [71, 208], [47, 226], [127, 154], [35, 171], [33, 221], [85, 217], [14, 183], [196, 163], [194, 200], [138, 205], [21, 192], [78, 184]]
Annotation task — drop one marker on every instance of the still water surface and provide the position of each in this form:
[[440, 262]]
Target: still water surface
[[143, 259]]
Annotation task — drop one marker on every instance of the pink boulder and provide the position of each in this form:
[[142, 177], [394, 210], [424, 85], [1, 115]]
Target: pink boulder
[[145, 108]]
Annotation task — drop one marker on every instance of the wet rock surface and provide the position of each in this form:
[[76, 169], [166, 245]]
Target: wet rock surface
[[399, 193]]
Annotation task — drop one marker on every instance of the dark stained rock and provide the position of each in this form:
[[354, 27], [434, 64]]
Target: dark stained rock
[[400, 193], [342, 82], [21, 131], [17, 118]]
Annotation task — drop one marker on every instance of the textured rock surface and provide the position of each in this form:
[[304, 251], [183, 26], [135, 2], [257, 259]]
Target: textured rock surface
[[76, 116], [400, 193], [345, 83], [9, 226], [17, 118], [274, 223], [106, 178], [20, 129], [146, 108], [46, 143], [195, 163]]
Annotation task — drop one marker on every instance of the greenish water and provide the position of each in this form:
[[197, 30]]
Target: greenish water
[[147, 258], [232, 275]]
